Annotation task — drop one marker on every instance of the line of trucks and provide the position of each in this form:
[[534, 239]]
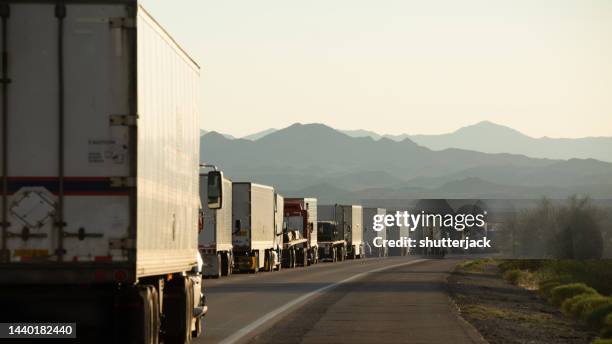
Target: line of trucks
[[107, 218], [257, 229]]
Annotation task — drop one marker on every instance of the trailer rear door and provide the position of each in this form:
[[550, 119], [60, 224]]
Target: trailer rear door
[[66, 133]]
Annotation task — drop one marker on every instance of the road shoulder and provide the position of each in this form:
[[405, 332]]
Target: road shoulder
[[505, 314]]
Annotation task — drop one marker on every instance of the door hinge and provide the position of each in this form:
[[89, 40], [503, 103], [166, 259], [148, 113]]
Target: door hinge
[[123, 120], [25, 234], [122, 182], [81, 234], [122, 23]]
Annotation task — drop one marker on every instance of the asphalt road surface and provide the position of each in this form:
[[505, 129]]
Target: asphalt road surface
[[391, 300]]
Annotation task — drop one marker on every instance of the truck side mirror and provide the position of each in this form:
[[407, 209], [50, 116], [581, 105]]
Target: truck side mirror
[[215, 190]]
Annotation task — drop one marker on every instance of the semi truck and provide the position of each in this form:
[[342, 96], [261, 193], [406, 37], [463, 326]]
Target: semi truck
[[215, 240], [254, 234], [99, 138], [340, 231], [279, 224], [395, 232], [300, 232], [369, 234]]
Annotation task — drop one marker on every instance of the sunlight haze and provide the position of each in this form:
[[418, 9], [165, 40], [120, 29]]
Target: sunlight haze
[[396, 66]]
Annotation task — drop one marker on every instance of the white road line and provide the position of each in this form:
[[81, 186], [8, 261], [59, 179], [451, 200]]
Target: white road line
[[267, 317]]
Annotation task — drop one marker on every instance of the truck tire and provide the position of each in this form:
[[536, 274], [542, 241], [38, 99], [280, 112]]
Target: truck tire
[[225, 264], [156, 324], [199, 326], [219, 270], [178, 311], [138, 324], [280, 260], [303, 257], [269, 263], [256, 267], [292, 259], [230, 263], [285, 258]]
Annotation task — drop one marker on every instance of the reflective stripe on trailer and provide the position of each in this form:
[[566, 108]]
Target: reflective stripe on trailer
[[73, 186]]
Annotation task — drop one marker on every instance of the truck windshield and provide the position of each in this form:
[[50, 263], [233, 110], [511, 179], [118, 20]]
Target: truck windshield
[[326, 231]]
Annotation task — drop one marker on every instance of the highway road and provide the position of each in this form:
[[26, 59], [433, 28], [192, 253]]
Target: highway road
[[390, 300]]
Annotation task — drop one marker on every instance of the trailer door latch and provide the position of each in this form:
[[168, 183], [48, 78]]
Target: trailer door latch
[[81, 234], [123, 120]]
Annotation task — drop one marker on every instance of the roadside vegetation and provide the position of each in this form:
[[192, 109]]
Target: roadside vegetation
[[574, 283], [581, 289], [576, 229], [506, 313]]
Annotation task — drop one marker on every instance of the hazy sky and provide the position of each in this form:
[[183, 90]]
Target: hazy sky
[[398, 66]]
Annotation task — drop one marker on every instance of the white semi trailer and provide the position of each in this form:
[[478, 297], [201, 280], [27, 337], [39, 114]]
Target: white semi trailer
[[279, 223], [396, 232], [254, 233], [369, 234], [99, 137], [215, 239], [343, 222]]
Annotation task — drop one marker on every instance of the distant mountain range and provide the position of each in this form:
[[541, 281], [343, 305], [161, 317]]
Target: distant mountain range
[[488, 137], [227, 136], [314, 159], [259, 134], [493, 138]]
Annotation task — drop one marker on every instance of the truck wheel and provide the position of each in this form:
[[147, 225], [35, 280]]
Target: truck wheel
[[280, 264], [284, 258], [268, 261], [137, 324], [225, 264], [256, 267], [303, 257], [198, 327], [178, 311], [292, 259], [156, 324], [219, 262], [299, 253], [230, 264]]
